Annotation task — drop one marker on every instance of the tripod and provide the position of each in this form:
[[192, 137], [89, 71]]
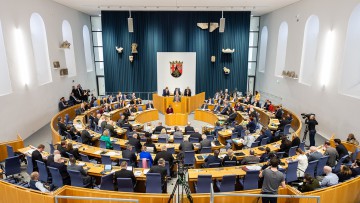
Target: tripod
[[181, 182], [305, 133]]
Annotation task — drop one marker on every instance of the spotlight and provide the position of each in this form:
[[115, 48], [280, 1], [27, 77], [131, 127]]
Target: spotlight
[[130, 23], [222, 23]]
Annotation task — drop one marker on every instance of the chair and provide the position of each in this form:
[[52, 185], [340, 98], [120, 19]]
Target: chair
[[67, 120], [193, 140], [106, 160], [84, 158], [254, 144], [227, 184], [12, 166], [210, 137], [230, 163], [280, 155], [125, 185], [178, 139], [171, 150], [29, 167], [250, 180], [203, 184], [70, 155], [354, 155], [292, 151], [140, 108], [116, 146], [214, 165], [123, 159], [52, 148], [205, 150], [167, 166], [102, 144], [140, 163], [77, 179], [336, 168], [234, 135], [78, 139], [264, 141], [153, 183], [242, 134], [302, 146], [291, 172], [320, 166], [57, 180], [43, 172], [10, 151], [287, 129], [107, 182], [162, 140], [311, 168], [189, 157]]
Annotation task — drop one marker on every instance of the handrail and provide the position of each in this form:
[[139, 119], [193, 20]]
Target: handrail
[[57, 197]]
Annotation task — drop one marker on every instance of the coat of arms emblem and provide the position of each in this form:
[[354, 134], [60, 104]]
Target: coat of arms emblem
[[176, 68]]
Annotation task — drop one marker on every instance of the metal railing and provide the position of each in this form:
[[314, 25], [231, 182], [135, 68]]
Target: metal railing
[[212, 195], [57, 197], [142, 95]]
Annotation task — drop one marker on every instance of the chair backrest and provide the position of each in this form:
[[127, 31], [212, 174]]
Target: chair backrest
[[228, 183], [302, 146], [106, 160], [29, 167], [167, 166], [292, 151], [171, 150], [189, 157], [125, 185], [204, 184], [12, 165], [320, 166], [311, 168], [210, 137], [229, 163], [254, 144], [162, 140], [78, 139], [205, 150], [68, 135], [234, 135], [338, 164], [178, 140], [43, 172], [76, 178], [70, 155], [291, 172], [84, 158], [153, 183], [107, 182], [102, 144], [57, 180], [140, 108], [287, 129], [140, 163], [264, 141], [354, 154], [280, 154], [214, 165], [123, 159], [52, 148], [10, 151], [251, 180], [193, 140], [242, 134], [116, 146], [143, 139]]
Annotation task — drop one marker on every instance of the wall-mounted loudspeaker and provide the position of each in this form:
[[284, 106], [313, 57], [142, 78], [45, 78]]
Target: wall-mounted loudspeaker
[[222, 25], [130, 24]]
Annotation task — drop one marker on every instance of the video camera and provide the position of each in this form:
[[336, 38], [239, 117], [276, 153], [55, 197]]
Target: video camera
[[307, 115]]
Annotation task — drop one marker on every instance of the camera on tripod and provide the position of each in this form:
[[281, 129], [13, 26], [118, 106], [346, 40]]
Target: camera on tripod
[[306, 115]]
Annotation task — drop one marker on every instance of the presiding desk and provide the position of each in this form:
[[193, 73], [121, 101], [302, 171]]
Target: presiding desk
[[186, 105], [178, 119]]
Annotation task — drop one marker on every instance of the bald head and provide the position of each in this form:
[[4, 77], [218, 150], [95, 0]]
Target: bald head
[[312, 149], [163, 148], [327, 169], [56, 152], [203, 137]]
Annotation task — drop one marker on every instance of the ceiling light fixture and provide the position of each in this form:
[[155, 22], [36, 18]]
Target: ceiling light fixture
[[130, 23], [222, 23]]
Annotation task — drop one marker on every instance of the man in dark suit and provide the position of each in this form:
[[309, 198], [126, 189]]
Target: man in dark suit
[[63, 104], [232, 117], [36, 155], [62, 149], [225, 110], [135, 141], [104, 123], [211, 159], [204, 106], [196, 134], [150, 105], [85, 136], [127, 125], [50, 158], [177, 91], [187, 92], [340, 148], [73, 99], [158, 128], [282, 123], [189, 129], [166, 92], [110, 127], [124, 173], [160, 168], [216, 108], [59, 164], [279, 113], [251, 158], [128, 154], [86, 178], [204, 142], [220, 101], [186, 145], [61, 126], [210, 101], [164, 154]]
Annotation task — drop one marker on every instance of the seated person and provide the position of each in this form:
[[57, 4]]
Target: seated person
[[340, 148], [106, 138], [148, 127], [165, 155], [177, 91], [160, 168], [314, 155], [344, 174], [86, 178], [330, 178], [279, 112], [282, 123], [73, 100], [177, 132], [62, 149], [74, 151], [62, 127], [149, 143], [216, 108], [262, 135], [309, 184], [158, 128], [135, 141], [146, 155], [85, 136], [110, 127], [166, 92], [127, 125], [62, 104], [250, 159], [196, 135], [128, 154], [332, 153], [133, 109], [265, 156], [355, 168], [186, 145], [150, 105], [248, 139], [232, 116], [251, 126], [73, 133], [177, 98], [205, 142], [229, 157], [187, 92], [50, 158], [210, 101], [59, 164], [296, 141], [35, 184], [169, 110], [164, 135], [204, 106], [285, 145], [212, 159], [352, 140], [189, 129], [302, 162], [124, 173]]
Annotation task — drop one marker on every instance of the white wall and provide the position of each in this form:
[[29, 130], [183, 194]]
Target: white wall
[[336, 113], [30, 107]]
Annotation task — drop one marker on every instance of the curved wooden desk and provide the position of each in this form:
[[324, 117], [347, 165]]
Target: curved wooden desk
[[147, 116], [179, 119], [205, 116]]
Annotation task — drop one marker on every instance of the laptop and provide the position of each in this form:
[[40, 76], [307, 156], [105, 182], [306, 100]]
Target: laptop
[[107, 168]]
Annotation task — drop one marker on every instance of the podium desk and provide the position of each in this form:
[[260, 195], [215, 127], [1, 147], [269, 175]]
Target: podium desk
[[179, 119], [186, 105]]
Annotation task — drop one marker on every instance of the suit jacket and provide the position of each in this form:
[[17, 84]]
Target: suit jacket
[[279, 113], [186, 146], [62, 151], [227, 158], [36, 155], [86, 137], [136, 143], [166, 93], [103, 125], [314, 156], [251, 126], [62, 128], [158, 129], [127, 126], [250, 158], [232, 117], [77, 168], [127, 154], [295, 142], [63, 172], [123, 173], [189, 128], [196, 135], [149, 106], [62, 106], [216, 108], [205, 143], [111, 130], [342, 151], [333, 156], [212, 159], [204, 106], [224, 111], [159, 169], [167, 156], [187, 92]]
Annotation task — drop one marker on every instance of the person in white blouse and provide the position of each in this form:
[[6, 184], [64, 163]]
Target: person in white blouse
[[35, 183], [148, 128], [302, 162], [248, 139]]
